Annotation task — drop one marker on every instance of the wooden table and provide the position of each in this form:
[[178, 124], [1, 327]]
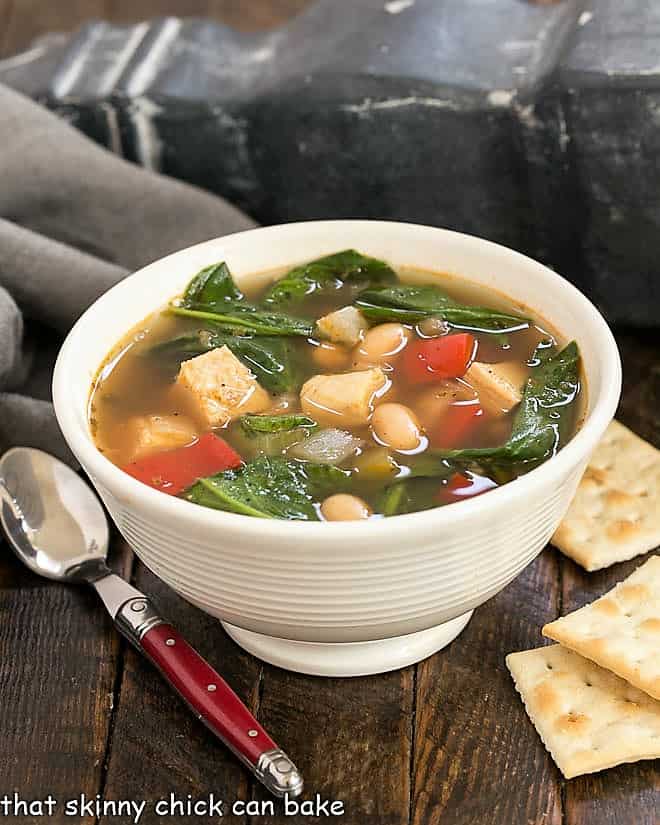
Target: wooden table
[[445, 742]]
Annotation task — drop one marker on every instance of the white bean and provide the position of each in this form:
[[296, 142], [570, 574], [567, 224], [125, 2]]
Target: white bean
[[383, 341], [344, 507], [397, 426], [330, 357]]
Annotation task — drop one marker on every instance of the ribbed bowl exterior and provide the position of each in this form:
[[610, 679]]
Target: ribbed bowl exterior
[[353, 593], [345, 581]]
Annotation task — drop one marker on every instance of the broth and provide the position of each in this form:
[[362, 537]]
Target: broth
[[438, 387]]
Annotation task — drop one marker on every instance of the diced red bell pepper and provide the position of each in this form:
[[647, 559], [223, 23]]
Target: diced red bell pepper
[[456, 425], [460, 487], [173, 471], [436, 359]]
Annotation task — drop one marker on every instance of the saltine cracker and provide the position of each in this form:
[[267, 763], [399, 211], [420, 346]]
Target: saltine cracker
[[615, 514], [621, 630], [587, 717]]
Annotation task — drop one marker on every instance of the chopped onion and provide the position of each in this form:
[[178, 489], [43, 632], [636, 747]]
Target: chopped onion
[[329, 446], [343, 326]]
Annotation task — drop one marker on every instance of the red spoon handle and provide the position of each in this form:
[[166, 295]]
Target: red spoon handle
[[208, 695]]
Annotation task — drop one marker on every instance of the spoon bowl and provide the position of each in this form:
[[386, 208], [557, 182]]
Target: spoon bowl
[[54, 522]]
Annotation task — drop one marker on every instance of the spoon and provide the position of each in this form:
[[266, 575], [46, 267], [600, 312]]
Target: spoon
[[57, 527]]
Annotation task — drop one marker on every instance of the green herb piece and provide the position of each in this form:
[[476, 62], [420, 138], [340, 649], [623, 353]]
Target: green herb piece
[[416, 487], [212, 286], [276, 423], [270, 488], [544, 417], [395, 499], [273, 360], [410, 304], [271, 434], [178, 349], [410, 495], [428, 466], [327, 274], [242, 318]]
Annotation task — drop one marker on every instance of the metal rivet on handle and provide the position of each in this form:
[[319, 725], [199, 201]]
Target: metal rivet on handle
[[138, 607], [170, 642], [211, 688], [252, 733]]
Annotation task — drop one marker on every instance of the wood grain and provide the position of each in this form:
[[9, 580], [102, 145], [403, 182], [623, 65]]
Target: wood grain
[[257, 14], [26, 19], [640, 398], [351, 738], [31, 18], [478, 759], [58, 660], [158, 747], [5, 12]]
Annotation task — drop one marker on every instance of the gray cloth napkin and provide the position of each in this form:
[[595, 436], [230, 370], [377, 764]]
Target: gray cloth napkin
[[74, 220]]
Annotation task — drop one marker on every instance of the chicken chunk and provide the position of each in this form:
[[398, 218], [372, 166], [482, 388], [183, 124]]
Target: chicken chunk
[[499, 386], [344, 326], [146, 434], [343, 400], [223, 388]]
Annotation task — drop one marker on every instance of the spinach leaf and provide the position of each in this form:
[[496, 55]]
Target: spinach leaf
[[544, 416], [276, 423], [410, 304], [270, 488], [395, 499], [329, 273], [212, 286], [409, 495], [428, 466], [241, 318], [212, 296], [416, 487], [175, 350], [273, 360], [271, 434]]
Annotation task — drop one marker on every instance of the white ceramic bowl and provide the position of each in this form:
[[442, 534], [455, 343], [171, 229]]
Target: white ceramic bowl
[[341, 598]]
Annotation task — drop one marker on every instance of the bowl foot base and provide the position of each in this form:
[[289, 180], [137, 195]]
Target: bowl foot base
[[348, 658]]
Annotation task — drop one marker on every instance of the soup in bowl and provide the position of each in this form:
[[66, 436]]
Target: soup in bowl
[[338, 434], [339, 392]]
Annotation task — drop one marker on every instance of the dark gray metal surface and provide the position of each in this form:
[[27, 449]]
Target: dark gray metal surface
[[537, 126]]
